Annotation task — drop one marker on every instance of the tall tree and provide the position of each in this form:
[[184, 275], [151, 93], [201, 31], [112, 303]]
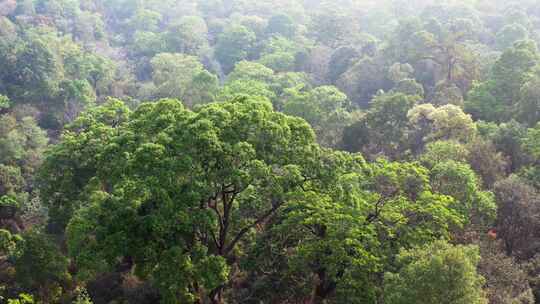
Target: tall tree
[[426, 274], [181, 216], [495, 99], [183, 77], [383, 129], [69, 167], [234, 45], [325, 108], [331, 247]]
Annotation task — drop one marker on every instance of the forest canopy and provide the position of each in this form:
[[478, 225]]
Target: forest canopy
[[269, 151]]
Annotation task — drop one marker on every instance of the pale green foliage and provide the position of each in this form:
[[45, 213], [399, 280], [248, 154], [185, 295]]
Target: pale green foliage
[[279, 62], [482, 103], [459, 181], [256, 80], [443, 44], [144, 20], [4, 102], [443, 123], [427, 273], [398, 72], [9, 243], [12, 182], [22, 143], [513, 68], [172, 73], [82, 297], [509, 34], [252, 88], [532, 141], [247, 70], [234, 45], [279, 54], [446, 94], [281, 24], [188, 35], [147, 43], [23, 299], [527, 109], [183, 77], [409, 87], [495, 99], [332, 25], [324, 108], [279, 44], [254, 23], [55, 73], [334, 243], [443, 150]]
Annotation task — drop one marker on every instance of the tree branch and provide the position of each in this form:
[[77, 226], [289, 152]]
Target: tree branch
[[244, 230]]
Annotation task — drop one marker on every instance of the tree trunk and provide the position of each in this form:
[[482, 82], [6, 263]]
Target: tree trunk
[[216, 296], [323, 288], [450, 75]]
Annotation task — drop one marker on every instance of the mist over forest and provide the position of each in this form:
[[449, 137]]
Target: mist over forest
[[269, 152]]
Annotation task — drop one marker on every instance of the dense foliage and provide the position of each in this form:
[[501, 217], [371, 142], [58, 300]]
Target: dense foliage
[[269, 151]]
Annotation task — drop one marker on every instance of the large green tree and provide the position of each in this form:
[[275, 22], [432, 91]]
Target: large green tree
[[183, 77], [495, 99], [22, 144], [383, 129], [184, 217], [427, 274], [69, 167], [428, 123], [332, 246], [233, 45], [188, 35], [325, 108]]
